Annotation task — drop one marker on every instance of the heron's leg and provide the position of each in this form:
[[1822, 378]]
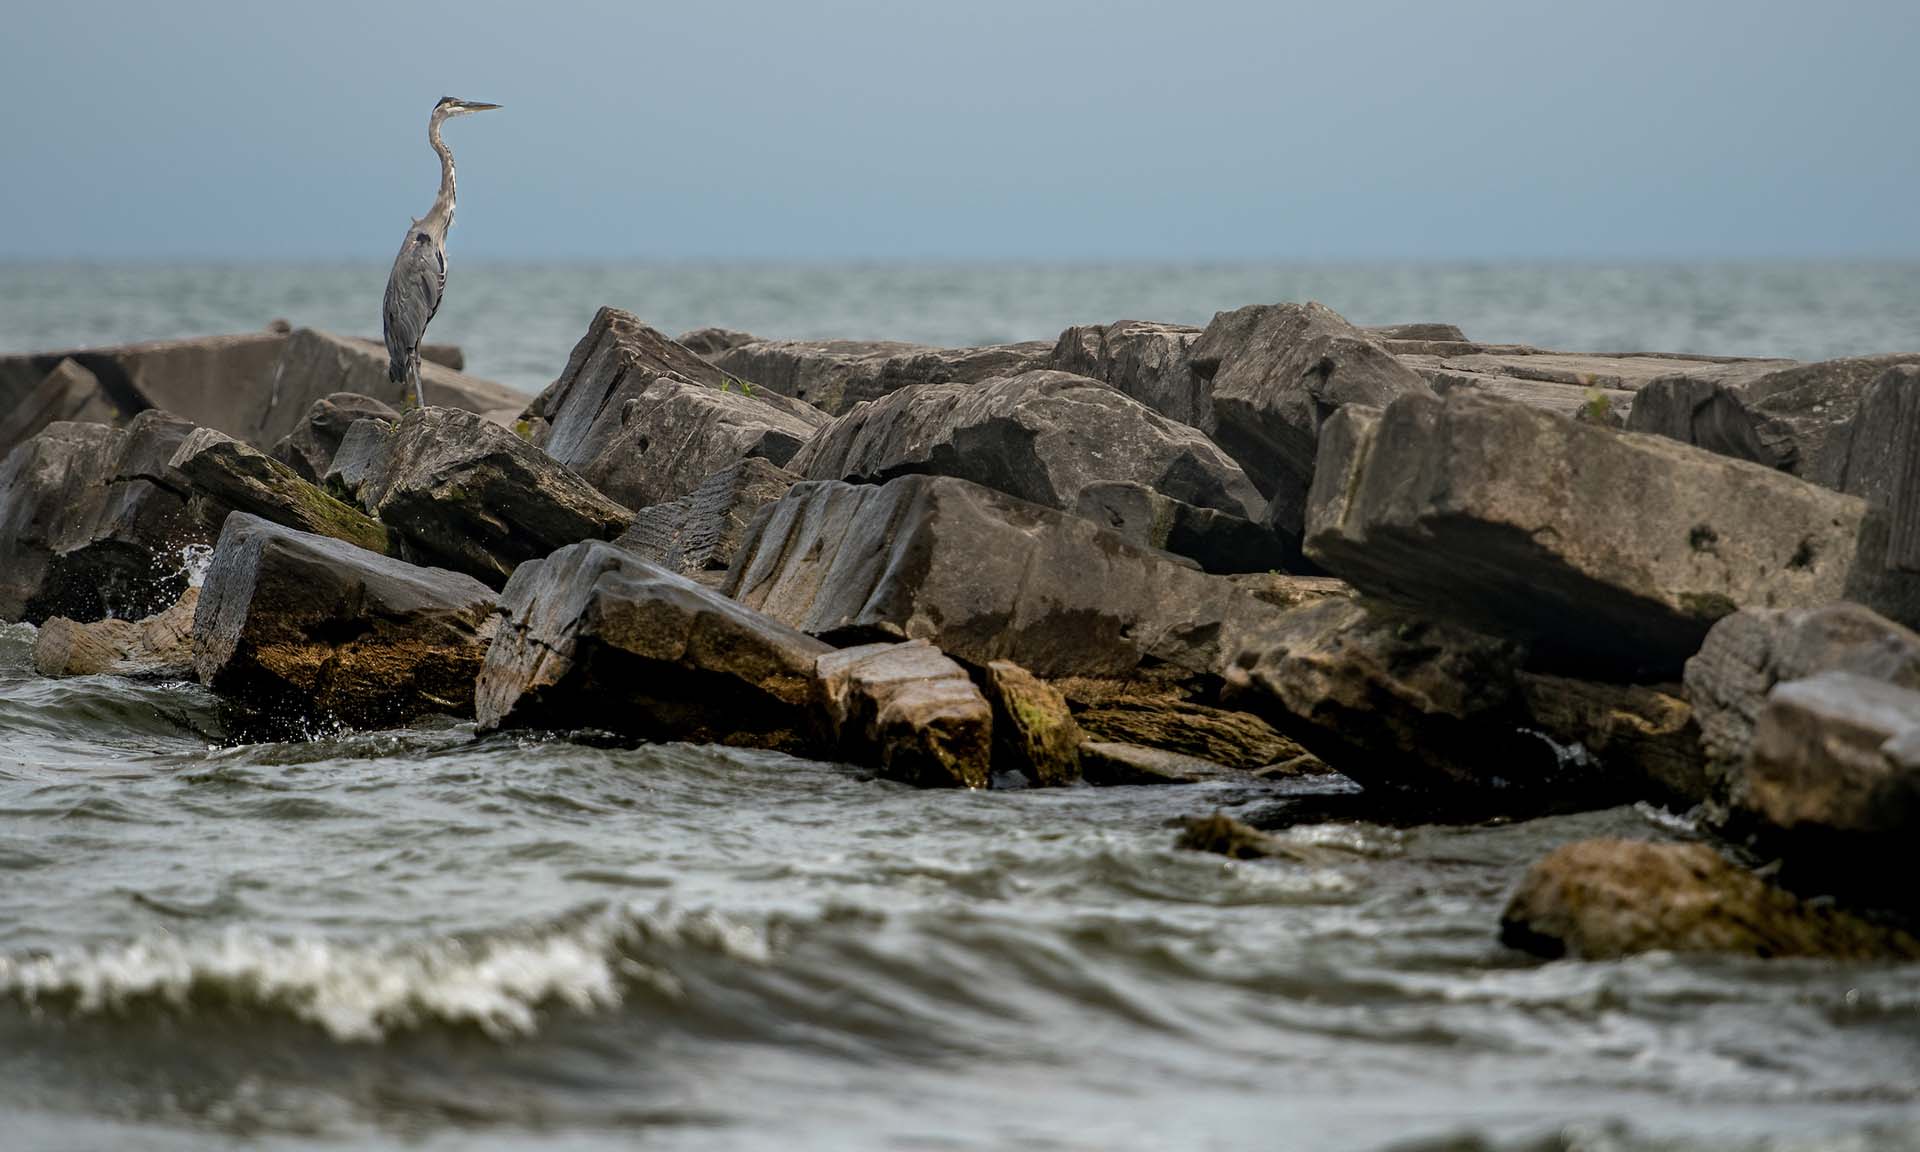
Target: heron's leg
[[419, 392]]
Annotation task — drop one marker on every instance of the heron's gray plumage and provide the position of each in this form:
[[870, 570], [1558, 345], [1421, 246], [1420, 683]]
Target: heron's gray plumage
[[419, 276]]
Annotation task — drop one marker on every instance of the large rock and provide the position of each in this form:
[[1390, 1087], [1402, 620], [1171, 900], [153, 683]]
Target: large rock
[[595, 637], [1600, 388], [92, 522], [228, 475], [836, 375], [1146, 361], [310, 448], [662, 441], [1749, 652], [159, 647], [463, 493], [985, 577], [256, 386], [69, 393], [1871, 455], [1277, 372], [304, 630], [1217, 541], [1613, 554], [701, 531], [707, 343], [910, 710], [614, 362], [1796, 418], [1604, 899], [1042, 436], [1397, 702]]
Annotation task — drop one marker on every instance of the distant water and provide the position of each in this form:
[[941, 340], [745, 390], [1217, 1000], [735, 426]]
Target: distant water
[[420, 940], [517, 322]]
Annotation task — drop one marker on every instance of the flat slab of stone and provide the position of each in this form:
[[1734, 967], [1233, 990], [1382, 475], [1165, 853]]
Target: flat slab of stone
[[1611, 553], [306, 630], [1042, 436], [237, 476], [985, 577], [463, 493], [315, 364], [1604, 899], [909, 709], [836, 375], [1111, 764], [1571, 383], [595, 637]]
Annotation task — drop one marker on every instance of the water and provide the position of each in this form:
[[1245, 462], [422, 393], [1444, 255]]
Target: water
[[517, 322], [418, 939]]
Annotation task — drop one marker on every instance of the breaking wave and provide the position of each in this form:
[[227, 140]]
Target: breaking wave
[[501, 983]]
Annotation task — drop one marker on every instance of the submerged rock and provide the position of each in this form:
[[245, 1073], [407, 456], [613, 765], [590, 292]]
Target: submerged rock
[[1603, 899], [1277, 372], [909, 709], [93, 524], [305, 629], [466, 494], [232, 475], [1041, 436], [1146, 361], [1397, 702], [158, 647], [1612, 554], [986, 577], [309, 449], [1225, 836], [595, 637], [701, 531], [1034, 732]]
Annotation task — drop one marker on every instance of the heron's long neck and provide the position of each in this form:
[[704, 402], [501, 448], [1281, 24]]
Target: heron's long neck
[[440, 216]]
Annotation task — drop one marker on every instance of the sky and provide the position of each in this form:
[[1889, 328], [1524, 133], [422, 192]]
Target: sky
[[893, 130]]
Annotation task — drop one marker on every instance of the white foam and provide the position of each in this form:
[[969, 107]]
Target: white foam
[[364, 992]]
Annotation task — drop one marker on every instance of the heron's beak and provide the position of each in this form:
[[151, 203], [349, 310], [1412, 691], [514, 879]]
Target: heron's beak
[[477, 107]]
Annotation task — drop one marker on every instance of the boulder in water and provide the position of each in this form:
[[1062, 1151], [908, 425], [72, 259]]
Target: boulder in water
[[1034, 732], [299, 629], [596, 637], [1604, 899], [157, 648]]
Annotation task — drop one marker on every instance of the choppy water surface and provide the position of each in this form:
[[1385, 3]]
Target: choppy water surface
[[517, 322], [417, 939]]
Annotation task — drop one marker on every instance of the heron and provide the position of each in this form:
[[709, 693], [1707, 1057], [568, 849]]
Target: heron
[[420, 271]]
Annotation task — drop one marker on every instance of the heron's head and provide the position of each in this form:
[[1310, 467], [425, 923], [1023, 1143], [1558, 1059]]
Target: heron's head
[[449, 107]]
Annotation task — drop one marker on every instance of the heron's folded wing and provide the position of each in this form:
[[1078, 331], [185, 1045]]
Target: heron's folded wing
[[413, 296]]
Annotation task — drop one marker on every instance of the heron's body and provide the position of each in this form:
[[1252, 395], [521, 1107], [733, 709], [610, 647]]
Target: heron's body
[[419, 276]]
